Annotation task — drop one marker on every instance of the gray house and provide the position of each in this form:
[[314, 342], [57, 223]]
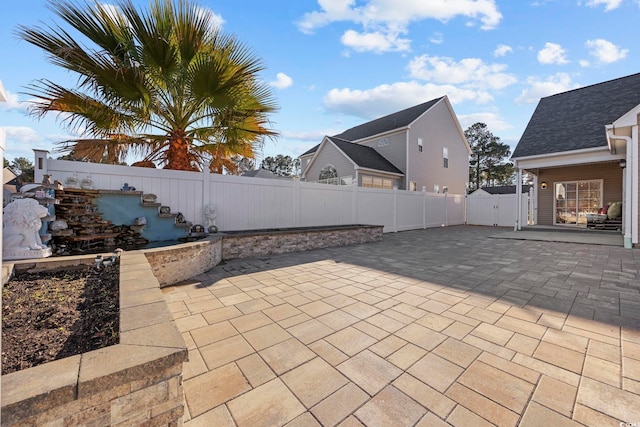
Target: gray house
[[420, 147], [582, 148]]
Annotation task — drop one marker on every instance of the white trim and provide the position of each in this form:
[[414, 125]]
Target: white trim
[[320, 147], [630, 118], [360, 168], [3, 93], [373, 137], [568, 158], [456, 122], [634, 184], [560, 153], [406, 169], [555, 207]]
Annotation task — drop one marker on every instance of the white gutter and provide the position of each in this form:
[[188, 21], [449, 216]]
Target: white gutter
[[563, 153], [628, 188]]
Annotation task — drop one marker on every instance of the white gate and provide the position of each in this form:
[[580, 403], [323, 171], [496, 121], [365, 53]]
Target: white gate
[[497, 210]]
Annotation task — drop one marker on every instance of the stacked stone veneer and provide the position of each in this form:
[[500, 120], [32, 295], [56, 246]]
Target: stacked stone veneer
[[136, 382], [173, 264], [261, 243]]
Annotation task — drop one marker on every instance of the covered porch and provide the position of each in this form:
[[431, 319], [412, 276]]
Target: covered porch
[[588, 189]]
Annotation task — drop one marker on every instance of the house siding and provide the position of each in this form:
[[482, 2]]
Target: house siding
[[610, 173], [330, 155], [438, 129], [395, 152]]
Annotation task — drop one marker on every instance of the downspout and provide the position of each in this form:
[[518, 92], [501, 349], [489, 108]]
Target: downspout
[[628, 243], [517, 225]]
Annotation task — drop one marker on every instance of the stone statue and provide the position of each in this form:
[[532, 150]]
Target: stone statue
[[22, 220], [210, 216]]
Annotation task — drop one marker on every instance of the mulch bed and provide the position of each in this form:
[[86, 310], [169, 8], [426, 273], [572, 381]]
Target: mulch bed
[[52, 315]]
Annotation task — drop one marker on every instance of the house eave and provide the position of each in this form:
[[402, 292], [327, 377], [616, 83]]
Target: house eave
[[381, 135], [567, 158], [360, 168]]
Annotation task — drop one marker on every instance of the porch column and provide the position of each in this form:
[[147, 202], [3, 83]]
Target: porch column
[[628, 186], [634, 185], [517, 225]]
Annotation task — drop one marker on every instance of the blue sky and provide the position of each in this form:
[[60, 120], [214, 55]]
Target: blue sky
[[334, 64]]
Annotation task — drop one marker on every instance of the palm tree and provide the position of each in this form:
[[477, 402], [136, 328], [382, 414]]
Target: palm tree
[[163, 83]]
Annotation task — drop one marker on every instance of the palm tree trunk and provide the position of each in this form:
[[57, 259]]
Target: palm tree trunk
[[178, 156]]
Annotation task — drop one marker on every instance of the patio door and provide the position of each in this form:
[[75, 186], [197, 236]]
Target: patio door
[[575, 199]]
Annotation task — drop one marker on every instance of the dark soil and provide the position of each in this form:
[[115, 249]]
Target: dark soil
[[52, 315]]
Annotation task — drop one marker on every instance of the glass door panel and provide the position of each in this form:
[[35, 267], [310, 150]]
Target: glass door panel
[[574, 200]]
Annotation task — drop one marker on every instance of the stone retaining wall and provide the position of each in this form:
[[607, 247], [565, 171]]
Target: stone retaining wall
[[136, 382], [139, 380], [172, 264], [268, 242]]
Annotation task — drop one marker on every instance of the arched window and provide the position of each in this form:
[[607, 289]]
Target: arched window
[[328, 172]]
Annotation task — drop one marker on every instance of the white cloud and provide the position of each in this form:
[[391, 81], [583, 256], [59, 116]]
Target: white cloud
[[466, 71], [436, 38], [552, 53], [13, 103], [282, 81], [605, 52], [608, 4], [493, 121], [385, 99], [377, 41], [384, 20], [537, 88], [308, 135], [502, 50]]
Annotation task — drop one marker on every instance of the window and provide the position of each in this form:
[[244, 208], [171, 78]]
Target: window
[[420, 145], [436, 188], [412, 186], [445, 157], [328, 172], [445, 189], [375, 182]]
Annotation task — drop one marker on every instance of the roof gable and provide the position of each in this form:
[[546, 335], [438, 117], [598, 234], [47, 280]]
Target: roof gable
[[387, 123], [575, 120], [364, 156]]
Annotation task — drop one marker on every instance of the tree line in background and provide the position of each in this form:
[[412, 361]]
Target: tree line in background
[[489, 163]]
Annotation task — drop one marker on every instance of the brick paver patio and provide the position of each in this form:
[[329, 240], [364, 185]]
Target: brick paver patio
[[426, 328]]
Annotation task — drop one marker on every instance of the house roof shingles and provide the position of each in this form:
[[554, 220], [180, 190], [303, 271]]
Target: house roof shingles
[[575, 120], [389, 122], [365, 157], [393, 121]]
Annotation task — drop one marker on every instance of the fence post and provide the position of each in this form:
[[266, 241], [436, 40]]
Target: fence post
[[446, 210], [206, 191], [424, 207], [354, 204], [395, 209], [297, 203]]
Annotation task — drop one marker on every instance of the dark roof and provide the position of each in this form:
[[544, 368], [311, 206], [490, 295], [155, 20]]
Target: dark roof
[[576, 119], [505, 189], [263, 173], [383, 124], [364, 156], [310, 151], [396, 120]]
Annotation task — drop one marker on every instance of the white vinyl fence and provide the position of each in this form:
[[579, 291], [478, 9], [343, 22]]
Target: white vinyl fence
[[246, 203], [497, 210]]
